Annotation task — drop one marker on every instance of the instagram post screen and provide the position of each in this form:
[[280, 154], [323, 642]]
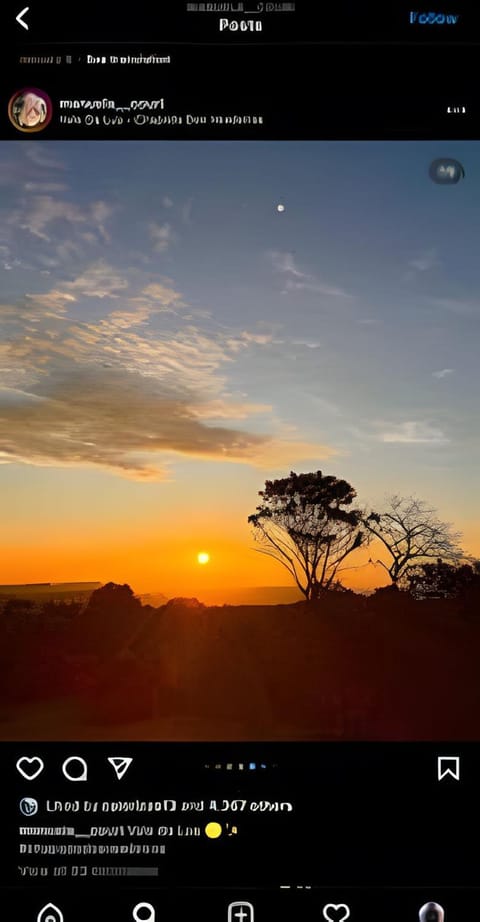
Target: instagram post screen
[[239, 454]]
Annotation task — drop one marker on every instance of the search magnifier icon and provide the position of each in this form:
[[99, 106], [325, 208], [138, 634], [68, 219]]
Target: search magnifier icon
[[144, 912]]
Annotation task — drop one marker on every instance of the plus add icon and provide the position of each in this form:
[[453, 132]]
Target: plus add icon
[[240, 912]]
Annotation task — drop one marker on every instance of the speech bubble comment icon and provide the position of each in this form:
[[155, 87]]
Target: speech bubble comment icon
[[75, 769], [144, 912]]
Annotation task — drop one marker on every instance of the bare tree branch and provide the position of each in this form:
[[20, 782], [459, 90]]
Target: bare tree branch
[[411, 532]]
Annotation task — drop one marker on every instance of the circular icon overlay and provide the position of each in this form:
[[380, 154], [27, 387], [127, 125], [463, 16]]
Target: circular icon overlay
[[28, 806], [446, 171], [30, 110]]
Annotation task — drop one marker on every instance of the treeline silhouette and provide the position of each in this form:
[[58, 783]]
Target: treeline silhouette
[[398, 664], [311, 525]]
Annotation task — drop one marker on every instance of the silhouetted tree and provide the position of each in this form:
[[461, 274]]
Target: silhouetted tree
[[115, 598], [57, 611], [442, 580], [411, 532], [388, 599], [18, 606], [306, 523], [110, 619]]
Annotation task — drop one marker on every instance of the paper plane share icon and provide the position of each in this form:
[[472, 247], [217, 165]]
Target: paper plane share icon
[[120, 765]]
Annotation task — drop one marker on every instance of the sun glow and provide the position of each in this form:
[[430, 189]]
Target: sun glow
[[203, 558]]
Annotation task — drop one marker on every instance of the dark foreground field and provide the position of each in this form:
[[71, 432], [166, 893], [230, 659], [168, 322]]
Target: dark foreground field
[[387, 667]]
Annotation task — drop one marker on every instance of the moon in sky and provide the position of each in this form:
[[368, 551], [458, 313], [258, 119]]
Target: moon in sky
[[203, 558], [280, 207]]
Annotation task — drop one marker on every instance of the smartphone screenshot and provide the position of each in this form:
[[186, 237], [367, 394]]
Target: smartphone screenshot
[[239, 455]]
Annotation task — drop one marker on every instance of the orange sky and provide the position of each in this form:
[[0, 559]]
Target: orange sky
[[149, 563]]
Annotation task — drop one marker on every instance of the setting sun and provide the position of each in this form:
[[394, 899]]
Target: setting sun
[[203, 557]]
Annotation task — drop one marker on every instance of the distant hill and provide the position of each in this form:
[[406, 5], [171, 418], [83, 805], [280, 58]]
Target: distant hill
[[253, 595], [156, 599], [48, 591], [234, 595], [246, 595]]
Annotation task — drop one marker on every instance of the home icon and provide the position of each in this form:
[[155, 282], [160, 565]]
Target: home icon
[[50, 913]]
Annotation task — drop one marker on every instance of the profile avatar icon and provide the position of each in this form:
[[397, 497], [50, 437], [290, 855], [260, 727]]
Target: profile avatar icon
[[431, 912], [30, 110], [29, 806]]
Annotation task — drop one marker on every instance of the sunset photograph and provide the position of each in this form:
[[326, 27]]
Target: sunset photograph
[[239, 441]]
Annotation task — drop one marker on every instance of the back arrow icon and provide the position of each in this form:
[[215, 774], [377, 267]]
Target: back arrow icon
[[20, 20]]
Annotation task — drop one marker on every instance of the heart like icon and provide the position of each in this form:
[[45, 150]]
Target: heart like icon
[[30, 768], [336, 912]]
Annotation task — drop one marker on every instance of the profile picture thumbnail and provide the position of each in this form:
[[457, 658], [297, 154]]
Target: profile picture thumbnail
[[30, 110]]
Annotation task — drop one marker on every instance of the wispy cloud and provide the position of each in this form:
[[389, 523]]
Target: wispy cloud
[[248, 338], [123, 393], [28, 167], [426, 260], [413, 432], [309, 344], [284, 262], [442, 373], [317, 287], [295, 279], [42, 215], [99, 280], [44, 227], [43, 155], [123, 423], [100, 213], [7, 259], [51, 303], [45, 187], [161, 296], [223, 408], [186, 211], [40, 211], [161, 235]]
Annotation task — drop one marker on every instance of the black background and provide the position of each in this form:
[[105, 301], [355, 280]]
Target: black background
[[351, 70], [366, 816]]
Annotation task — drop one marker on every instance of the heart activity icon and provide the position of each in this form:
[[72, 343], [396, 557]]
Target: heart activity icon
[[30, 768], [336, 912]]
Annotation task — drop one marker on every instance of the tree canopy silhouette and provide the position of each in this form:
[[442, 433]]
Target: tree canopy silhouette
[[412, 534], [307, 523], [442, 580], [113, 597]]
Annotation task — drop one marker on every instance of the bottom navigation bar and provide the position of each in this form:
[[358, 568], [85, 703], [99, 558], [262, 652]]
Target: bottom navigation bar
[[432, 905]]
